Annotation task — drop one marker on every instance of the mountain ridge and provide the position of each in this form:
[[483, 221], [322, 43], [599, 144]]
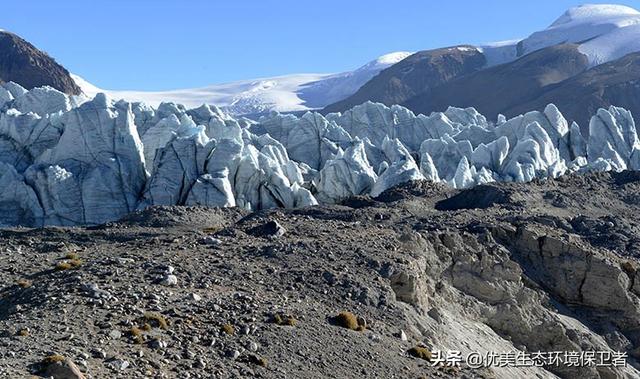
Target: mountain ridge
[[599, 34], [414, 75], [23, 63], [510, 84]]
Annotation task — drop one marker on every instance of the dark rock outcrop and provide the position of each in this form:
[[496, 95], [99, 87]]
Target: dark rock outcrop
[[615, 83], [502, 88], [415, 75], [23, 63]]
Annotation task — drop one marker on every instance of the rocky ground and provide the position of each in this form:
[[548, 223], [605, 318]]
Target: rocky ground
[[178, 292]]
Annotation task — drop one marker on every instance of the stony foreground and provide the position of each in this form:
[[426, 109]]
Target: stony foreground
[[176, 292]]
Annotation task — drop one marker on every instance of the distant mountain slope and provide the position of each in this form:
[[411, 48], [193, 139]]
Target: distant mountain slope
[[556, 74], [297, 92], [614, 83], [23, 63], [597, 34], [502, 88], [508, 77], [604, 32], [414, 75]]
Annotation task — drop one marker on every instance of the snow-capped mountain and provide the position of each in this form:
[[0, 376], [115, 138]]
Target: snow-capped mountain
[[601, 32], [604, 32], [288, 93], [583, 61]]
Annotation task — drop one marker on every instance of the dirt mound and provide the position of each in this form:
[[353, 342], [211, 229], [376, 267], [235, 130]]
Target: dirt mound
[[417, 188], [479, 197], [171, 216]]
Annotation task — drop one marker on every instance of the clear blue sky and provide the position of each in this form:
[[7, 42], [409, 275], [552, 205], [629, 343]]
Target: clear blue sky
[[166, 44]]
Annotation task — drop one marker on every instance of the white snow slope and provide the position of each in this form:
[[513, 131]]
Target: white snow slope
[[288, 93], [605, 32]]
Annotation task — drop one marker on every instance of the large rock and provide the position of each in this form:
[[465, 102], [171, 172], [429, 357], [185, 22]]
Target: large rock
[[538, 289], [62, 369]]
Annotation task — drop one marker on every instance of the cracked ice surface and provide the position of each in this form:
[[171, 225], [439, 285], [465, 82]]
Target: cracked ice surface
[[77, 161]]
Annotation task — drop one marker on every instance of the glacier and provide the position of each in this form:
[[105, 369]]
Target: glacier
[[67, 160]]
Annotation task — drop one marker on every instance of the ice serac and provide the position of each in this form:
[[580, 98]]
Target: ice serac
[[347, 175], [551, 121], [492, 155], [67, 164], [467, 116], [159, 135], [558, 130], [218, 124], [577, 144], [95, 173], [24, 137], [5, 96], [59, 194], [402, 167], [310, 139], [613, 131], [15, 89], [42, 101], [266, 177], [427, 168], [534, 156], [216, 186], [446, 153], [18, 201], [212, 191], [252, 172], [463, 178], [376, 122], [176, 168]]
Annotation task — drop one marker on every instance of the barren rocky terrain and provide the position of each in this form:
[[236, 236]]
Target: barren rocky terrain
[[192, 292]]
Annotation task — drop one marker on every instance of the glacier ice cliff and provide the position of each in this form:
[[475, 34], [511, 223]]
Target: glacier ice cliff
[[67, 160]]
